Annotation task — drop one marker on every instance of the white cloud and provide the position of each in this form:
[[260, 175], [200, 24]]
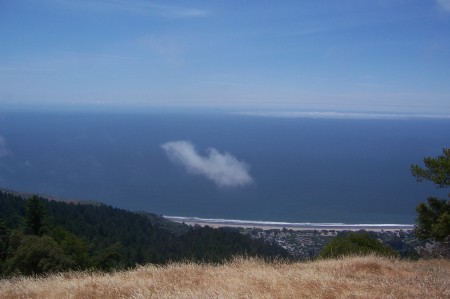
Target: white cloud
[[221, 168], [444, 5], [132, 6], [3, 148]]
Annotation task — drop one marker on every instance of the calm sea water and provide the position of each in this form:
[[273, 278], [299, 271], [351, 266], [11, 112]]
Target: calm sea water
[[304, 170]]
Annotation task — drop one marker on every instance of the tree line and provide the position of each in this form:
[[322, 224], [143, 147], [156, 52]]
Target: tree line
[[40, 236]]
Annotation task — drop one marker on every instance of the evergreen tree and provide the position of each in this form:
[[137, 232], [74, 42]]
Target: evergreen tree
[[109, 258], [433, 219], [436, 169], [35, 217], [72, 246], [30, 254], [59, 235], [4, 238]]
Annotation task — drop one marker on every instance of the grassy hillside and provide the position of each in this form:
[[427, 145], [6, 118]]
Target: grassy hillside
[[353, 277]]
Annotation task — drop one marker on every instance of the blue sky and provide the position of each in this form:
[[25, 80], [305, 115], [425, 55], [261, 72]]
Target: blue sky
[[384, 56]]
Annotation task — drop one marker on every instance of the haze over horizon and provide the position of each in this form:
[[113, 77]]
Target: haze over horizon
[[376, 56]]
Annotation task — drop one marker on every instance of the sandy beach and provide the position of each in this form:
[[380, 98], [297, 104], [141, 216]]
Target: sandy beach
[[216, 223]]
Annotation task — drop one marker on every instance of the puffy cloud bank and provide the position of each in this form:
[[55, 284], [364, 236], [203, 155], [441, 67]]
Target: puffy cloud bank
[[221, 168]]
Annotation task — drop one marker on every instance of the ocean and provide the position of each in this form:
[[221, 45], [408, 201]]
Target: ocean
[[303, 170]]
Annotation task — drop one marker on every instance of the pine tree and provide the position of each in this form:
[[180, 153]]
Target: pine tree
[[35, 217], [433, 219]]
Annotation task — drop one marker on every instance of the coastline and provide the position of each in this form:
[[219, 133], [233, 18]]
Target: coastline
[[268, 225]]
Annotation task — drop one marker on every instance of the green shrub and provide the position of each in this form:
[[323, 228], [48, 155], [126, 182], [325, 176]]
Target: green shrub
[[35, 255], [355, 244]]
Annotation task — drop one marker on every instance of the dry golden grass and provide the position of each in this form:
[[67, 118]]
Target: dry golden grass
[[353, 277]]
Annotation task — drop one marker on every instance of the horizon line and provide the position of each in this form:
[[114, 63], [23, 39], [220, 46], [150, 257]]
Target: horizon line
[[342, 115]]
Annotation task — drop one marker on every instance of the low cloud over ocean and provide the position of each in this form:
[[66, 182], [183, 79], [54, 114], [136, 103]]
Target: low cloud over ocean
[[223, 169]]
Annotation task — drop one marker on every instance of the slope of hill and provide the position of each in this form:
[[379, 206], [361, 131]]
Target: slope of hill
[[157, 220], [104, 237], [352, 277]]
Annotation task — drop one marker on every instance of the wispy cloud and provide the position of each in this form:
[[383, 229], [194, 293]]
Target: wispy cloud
[[58, 60], [133, 6], [4, 151], [368, 84], [342, 115], [221, 83], [444, 5], [223, 169], [305, 32], [169, 49]]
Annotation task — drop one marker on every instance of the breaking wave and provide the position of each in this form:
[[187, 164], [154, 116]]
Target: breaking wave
[[236, 222]]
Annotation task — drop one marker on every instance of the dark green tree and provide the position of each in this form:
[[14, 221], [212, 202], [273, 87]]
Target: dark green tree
[[355, 244], [4, 238], [72, 246], [31, 254], [433, 218], [36, 216], [109, 258], [437, 170], [86, 235]]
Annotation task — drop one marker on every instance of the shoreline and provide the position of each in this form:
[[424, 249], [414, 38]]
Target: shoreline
[[266, 225]]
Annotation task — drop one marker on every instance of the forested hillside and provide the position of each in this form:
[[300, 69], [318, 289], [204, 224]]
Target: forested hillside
[[38, 235]]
